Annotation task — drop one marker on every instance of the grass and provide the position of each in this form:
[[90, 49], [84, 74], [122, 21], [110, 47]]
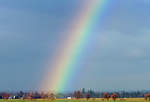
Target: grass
[[81, 100]]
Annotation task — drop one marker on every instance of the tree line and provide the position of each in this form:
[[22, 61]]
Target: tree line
[[76, 94]]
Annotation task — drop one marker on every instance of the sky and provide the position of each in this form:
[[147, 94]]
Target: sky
[[116, 56]]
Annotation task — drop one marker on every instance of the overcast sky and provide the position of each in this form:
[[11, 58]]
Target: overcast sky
[[117, 55]]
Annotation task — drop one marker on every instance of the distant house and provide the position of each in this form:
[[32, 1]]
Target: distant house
[[69, 98]]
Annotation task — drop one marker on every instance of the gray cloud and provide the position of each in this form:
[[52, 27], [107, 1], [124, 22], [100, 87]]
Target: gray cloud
[[116, 55]]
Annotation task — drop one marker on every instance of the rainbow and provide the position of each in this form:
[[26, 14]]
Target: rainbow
[[60, 72]]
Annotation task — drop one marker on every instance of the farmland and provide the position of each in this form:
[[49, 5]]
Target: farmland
[[81, 100]]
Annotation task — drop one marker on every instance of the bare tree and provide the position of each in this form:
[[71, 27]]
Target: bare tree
[[5, 96], [106, 96], [52, 97], [77, 94], [88, 96], [114, 96], [147, 97]]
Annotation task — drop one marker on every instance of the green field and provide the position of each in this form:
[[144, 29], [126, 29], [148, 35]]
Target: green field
[[81, 100]]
